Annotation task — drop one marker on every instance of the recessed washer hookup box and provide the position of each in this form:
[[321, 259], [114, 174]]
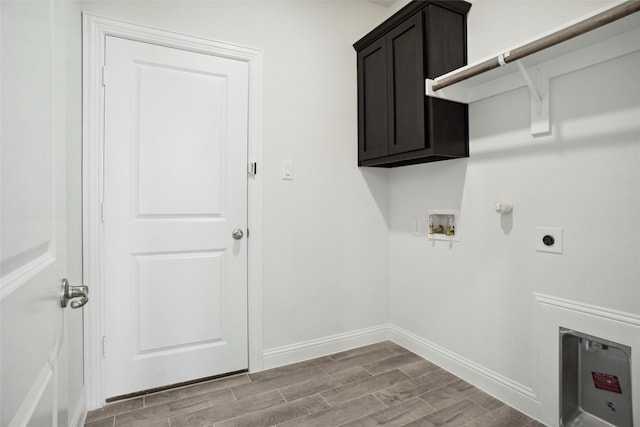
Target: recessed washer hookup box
[[595, 381]]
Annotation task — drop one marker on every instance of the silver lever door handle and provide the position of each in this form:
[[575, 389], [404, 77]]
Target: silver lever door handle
[[78, 295], [237, 234]]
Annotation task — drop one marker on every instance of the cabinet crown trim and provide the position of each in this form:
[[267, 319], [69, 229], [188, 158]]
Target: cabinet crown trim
[[407, 11]]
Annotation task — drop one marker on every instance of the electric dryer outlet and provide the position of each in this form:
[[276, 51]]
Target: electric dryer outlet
[[549, 239]]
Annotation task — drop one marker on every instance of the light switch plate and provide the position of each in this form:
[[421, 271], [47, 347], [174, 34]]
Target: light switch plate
[[553, 240], [417, 227], [287, 170]]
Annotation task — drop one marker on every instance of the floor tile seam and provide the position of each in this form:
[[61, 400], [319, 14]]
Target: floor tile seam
[[402, 382], [368, 414], [398, 368], [487, 412], [354, 383], [372, 393], [324, 370], [445, 385], [282, 395], [470, 422], [113, 421], [441, 385], [409, 413], [194, 385], [145, 404], [502, 404], [325, 400], [102, 418], [364, 354], [429, 373], [234, 394], [331, 356], [285, 375], [366, 370], [426, 403], [188, 411], [378, 399], [294, 397], [169, 402], [88, 420], [221, 422], [277, 387], [409, 379], [391, 386]]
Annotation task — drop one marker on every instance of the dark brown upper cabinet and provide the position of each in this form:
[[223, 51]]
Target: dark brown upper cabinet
[[397, 123]]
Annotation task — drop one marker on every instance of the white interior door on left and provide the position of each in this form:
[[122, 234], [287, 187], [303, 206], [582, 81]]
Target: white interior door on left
[[41, 353]]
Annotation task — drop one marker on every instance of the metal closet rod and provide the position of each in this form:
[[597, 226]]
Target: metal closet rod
[[597, 21]]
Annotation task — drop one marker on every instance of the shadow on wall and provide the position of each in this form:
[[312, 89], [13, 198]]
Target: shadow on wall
[[378, 182], [506, 222], [560, 140], [420, 188], [584, 114]]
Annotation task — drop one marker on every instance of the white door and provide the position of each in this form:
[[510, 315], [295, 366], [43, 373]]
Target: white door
[[41, 342], [175, 191]]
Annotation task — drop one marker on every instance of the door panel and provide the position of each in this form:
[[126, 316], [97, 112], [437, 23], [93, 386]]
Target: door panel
[[199, 273], [170, 161], [175, 189]]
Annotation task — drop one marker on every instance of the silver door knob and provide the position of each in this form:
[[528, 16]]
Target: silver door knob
[[237, 234], [78, 295]]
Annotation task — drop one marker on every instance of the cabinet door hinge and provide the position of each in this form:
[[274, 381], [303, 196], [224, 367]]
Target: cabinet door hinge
[[104, 76], [104, 346], [252, 168], [101, 211]]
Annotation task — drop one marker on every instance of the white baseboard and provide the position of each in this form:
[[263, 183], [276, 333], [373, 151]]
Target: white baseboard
[[306, 350], [518, 396]]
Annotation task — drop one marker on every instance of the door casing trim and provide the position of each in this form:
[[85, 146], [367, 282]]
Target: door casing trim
[[95, 29]]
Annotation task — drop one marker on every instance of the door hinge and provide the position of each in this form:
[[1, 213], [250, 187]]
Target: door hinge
[[104, 346], [101, 211], [104, 76], [252, 168]]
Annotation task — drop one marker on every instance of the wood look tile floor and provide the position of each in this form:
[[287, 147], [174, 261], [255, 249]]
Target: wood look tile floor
[[380, 384]]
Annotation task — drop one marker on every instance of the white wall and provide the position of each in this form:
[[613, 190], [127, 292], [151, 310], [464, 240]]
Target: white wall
[[325, 234], [330, 233], [496, 25], [474, 298]]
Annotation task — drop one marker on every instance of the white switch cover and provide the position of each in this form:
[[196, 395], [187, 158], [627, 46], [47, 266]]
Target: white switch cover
[[287, 170], [417, 227], [549, 239]]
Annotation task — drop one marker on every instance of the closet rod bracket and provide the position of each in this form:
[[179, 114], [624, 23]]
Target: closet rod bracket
[[539, 94]]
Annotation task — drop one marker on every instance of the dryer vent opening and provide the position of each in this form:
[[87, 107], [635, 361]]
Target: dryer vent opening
[[595, 381]]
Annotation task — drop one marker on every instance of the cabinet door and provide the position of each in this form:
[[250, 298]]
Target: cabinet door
[[372, 101], [406, 90]]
